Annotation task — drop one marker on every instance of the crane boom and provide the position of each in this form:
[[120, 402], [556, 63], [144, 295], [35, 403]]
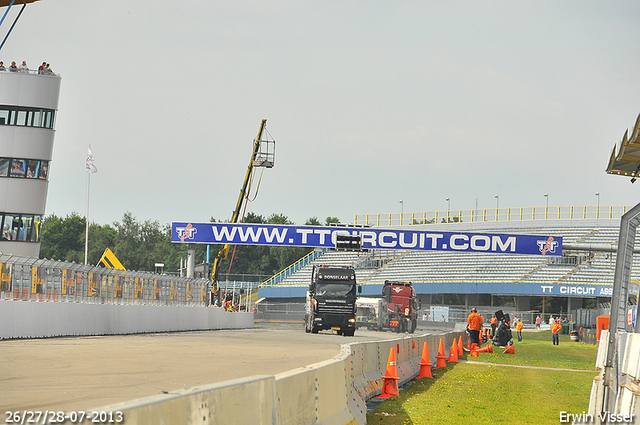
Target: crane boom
[[222, 254]]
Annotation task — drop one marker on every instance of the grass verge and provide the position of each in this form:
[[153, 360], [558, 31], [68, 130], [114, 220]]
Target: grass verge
[[493, 392]]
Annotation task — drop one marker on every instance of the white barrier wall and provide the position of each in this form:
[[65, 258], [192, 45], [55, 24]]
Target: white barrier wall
[[333, 392], [626, 381], [23, 319]]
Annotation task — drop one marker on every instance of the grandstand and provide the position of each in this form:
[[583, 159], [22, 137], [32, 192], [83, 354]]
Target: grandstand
[[578, 273]]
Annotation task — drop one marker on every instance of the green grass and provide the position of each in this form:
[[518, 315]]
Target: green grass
[[465, 393]]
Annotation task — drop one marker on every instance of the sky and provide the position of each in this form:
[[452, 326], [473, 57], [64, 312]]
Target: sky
[[369, 102]]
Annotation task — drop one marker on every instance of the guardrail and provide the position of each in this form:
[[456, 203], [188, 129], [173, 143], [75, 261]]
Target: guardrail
[[492, 215], [333, 392], [278, 277], [18, 70], [33, 279]]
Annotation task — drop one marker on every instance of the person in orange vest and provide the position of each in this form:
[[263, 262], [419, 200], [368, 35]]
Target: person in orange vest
[[519, 330], [474, 324], [494, 325], [555, 328]]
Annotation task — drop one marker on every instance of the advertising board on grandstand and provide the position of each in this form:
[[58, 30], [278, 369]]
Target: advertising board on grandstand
[[372, 238]]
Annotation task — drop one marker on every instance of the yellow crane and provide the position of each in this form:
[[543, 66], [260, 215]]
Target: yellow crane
[[263, 155]]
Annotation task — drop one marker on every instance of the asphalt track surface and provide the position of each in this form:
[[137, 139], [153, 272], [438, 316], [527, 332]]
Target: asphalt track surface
[[81, 373]]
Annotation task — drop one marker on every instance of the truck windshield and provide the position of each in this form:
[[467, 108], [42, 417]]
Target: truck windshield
[[335, 289]]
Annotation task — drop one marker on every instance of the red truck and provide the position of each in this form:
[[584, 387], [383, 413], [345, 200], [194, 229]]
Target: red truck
[[402, 305]]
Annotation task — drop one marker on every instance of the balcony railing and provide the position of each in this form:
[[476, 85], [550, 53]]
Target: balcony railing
[[493, 215]]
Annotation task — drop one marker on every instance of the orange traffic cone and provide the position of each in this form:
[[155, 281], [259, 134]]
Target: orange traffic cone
[[474, 346], [474, 353], [441, 358], [425, 363], [390, 385], [487, 349], [510, 350], [460, 349], [468, 344], [453, 352]]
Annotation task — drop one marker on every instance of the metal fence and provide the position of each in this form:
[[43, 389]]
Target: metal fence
[[584, 212], [33, 279], [588, 317]]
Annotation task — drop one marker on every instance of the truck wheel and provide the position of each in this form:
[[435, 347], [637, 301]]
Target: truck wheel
[[314, 330], [349, 332], [414, 325]]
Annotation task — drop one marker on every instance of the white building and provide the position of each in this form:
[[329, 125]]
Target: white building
[[28, 107]]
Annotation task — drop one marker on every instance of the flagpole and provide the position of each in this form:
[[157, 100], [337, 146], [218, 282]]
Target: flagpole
[[90, 169], [86, 233]]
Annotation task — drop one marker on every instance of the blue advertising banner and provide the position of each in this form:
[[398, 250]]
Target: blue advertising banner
[[506, 288], [372, 238]]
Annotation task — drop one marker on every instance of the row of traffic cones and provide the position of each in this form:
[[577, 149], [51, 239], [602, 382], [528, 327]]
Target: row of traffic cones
[[390, 385]]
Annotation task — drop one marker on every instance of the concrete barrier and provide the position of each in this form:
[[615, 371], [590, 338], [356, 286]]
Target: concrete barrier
[[625, 389], [24, 319], [333, 392]]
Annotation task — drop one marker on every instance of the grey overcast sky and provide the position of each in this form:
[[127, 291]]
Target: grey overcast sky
[[370, 102]]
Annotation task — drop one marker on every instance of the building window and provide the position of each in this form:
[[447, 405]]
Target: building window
[[24, 168], [27, 117], [21, 227], [4, 166], [18, 168]]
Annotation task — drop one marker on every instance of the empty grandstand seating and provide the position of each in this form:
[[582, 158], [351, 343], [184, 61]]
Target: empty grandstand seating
[[463, 267]]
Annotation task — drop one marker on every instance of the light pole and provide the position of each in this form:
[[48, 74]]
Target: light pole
[[546, 210], [401, 211], [598, 208], [448, 207], [497, 205]]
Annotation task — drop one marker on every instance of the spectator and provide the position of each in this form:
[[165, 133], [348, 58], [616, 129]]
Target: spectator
[[519, 330], [13, 67], [551, 321], [538, 321], [42, 68], [555, 328], [2, 68], [24, 67]]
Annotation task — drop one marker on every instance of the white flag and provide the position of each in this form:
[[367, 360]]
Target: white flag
[[89, 162]]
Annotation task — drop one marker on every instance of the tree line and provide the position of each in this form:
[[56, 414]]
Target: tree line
[[139, 245]]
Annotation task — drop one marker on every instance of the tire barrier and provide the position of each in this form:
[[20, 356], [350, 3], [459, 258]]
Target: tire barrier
[[42, 320], [332, 392]]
